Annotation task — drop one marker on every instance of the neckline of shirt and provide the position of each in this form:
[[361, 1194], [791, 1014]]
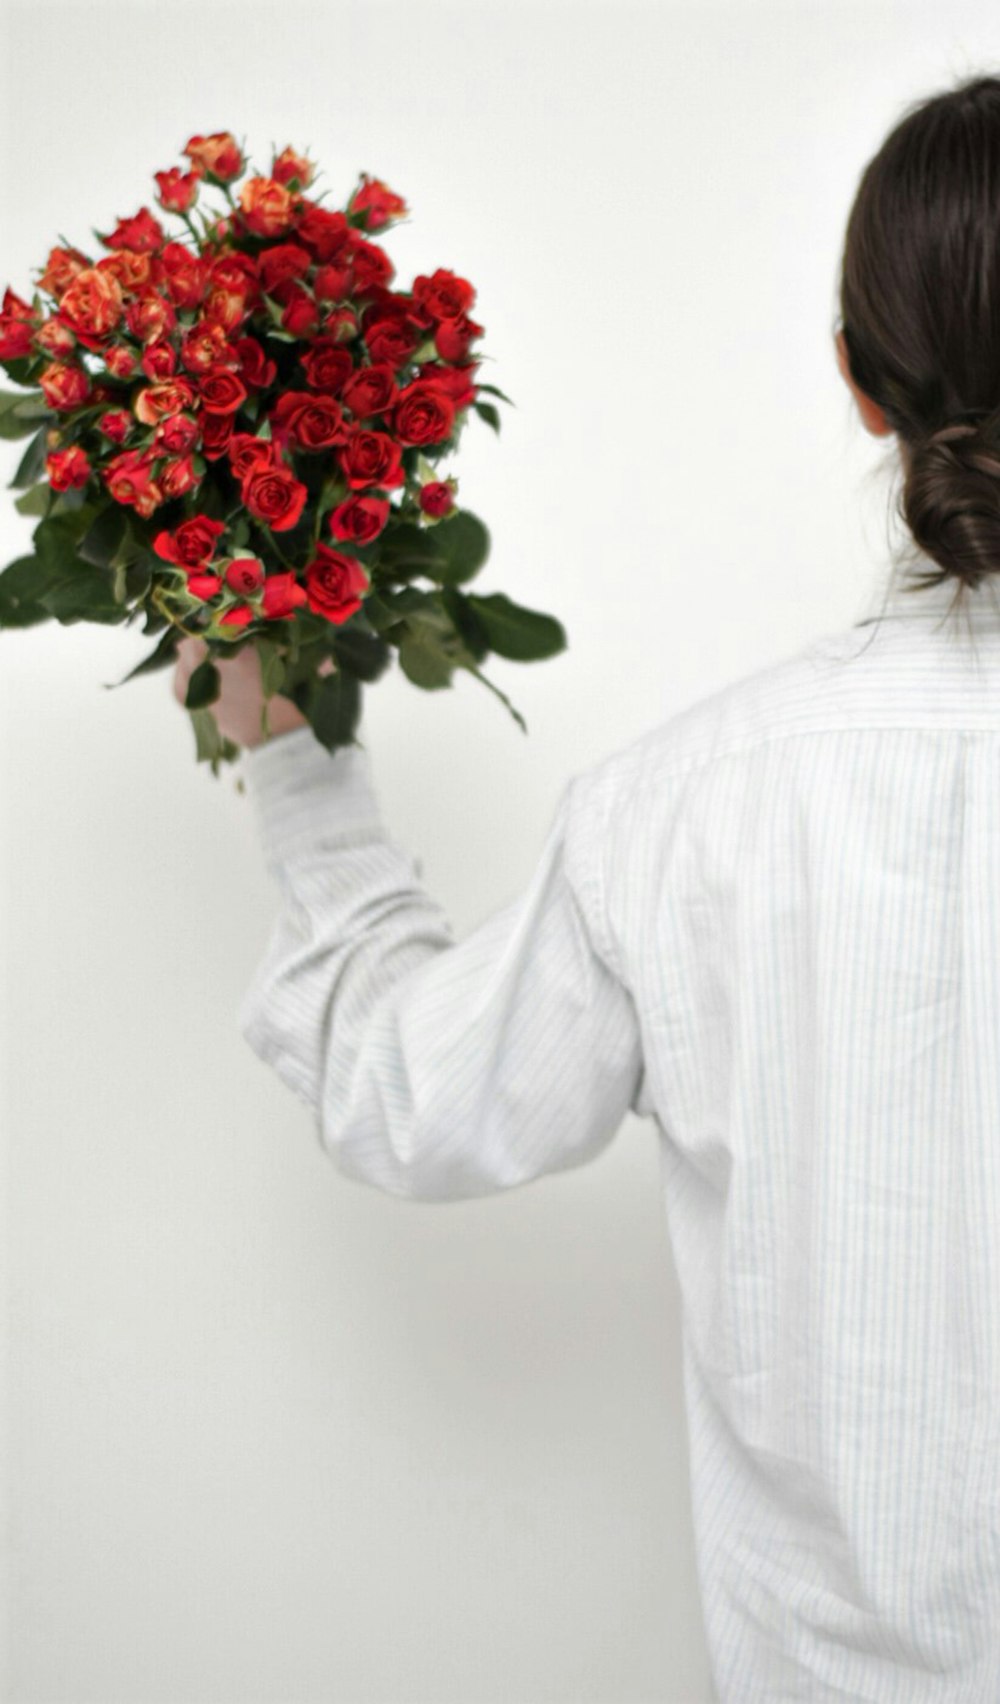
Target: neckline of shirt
[[900, 598]]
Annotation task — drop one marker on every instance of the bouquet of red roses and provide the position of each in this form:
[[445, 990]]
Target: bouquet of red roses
[[235, 437]]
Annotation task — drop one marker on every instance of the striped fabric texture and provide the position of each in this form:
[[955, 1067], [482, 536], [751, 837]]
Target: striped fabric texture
[[770, 924]]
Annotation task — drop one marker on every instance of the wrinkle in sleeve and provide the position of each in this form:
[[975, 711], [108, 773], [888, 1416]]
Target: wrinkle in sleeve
[[437, 1069]]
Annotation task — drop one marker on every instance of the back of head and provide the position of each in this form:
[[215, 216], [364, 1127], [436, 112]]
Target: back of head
[[920, 315]]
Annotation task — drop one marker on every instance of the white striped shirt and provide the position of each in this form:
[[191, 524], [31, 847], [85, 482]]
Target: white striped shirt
[[771, 924]]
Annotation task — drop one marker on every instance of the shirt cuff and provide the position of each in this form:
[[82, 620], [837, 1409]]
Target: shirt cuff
[[304, 796]]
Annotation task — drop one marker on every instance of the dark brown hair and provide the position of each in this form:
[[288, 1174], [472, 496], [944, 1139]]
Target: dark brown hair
[[920, 315]]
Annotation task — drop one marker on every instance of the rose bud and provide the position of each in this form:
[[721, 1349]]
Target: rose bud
[[245, 575]]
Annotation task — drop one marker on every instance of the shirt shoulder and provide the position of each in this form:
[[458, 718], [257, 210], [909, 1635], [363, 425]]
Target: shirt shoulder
[[628, 798], [805, 691]]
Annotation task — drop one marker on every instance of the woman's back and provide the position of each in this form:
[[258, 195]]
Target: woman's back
[[804, 899]]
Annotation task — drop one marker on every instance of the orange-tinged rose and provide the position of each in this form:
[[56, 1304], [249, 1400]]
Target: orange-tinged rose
[[131, 269], [218, 154], [267, 207], [93, 304], [61, 268], [63, 385], [225, 305], [168, 397], [54, 338], [288, 165]]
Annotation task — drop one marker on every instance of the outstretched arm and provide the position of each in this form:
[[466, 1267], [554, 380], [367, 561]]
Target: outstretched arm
[[437, 1070]]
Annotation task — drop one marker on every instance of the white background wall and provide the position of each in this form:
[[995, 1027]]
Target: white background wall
[[268, 1434]]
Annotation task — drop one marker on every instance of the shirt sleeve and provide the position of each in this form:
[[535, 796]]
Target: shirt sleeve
[[437, 1069]]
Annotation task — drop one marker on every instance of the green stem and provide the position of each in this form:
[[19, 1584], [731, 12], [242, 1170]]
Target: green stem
[[175, 620], [501, 695]]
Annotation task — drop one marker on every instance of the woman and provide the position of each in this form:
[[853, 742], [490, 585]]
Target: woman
[[772, 924]]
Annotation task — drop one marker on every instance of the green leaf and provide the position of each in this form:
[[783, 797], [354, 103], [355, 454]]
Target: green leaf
[[26, 579], [488, 412], [55, 540], [34, 501], [20, 584], [464, 543], [83, 595], [12, 423], [211, 746], [410, 549], [493, 390], [332, 705], [32, 464], [465, 622], [164, 655], [365, 655], [272, 667], [138, 577], [104, 537], [382, 615], [423, 661], [526, 635], [204, 686]]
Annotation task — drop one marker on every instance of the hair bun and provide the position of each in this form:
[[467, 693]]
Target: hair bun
[[951, 499]]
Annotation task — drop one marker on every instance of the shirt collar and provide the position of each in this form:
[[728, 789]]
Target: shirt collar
[[899, 597]]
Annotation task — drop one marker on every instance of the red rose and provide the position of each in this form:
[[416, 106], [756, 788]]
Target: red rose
[[453, 336], [247, 451], [216, 433], [391, 340], [341, 324], [283, 595], [159, 360], [256, 368], [179, 432], [379, 202], [15, 338], [150, 317], [177, 189], [370, 390], [456, 382], [64, 386], [120, 360], [443, 294], [300, 315], [129, 480], [237, 616], [283, 261], [359, 519], [204, 585], [221, 391], [116, 424], [288, 165], [436, 498], [327, 365], [67, 468], [185, 275], [190, 544], [424, 414], [333, 283], [371, 458], [334, 583], [245, 574], [274, 496], [205, 347], [324, 232], [312, 422], [371, 265], [177, 476]]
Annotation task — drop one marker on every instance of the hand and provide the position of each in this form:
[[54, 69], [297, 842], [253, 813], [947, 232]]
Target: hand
[[237, 710]]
